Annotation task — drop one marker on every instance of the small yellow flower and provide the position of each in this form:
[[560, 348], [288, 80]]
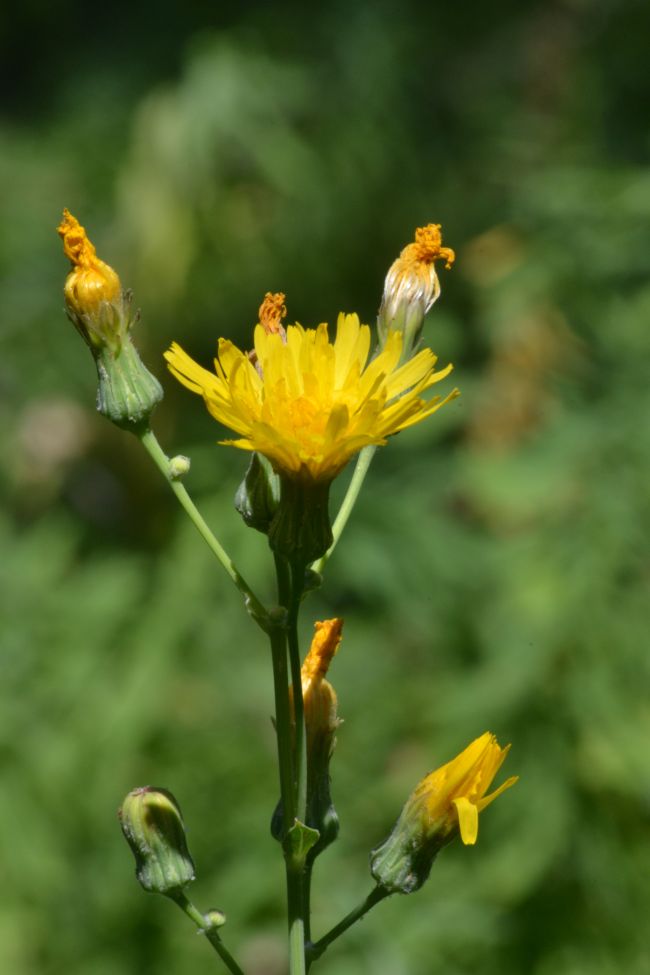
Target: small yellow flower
[[309, 404], [445, 804], [412, 285], [451, 798], [90, 282]]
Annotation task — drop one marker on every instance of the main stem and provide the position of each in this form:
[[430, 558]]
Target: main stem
[[160, 458], [290, 727]]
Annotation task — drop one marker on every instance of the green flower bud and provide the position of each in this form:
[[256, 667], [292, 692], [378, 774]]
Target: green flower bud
[[179, 466], [153, 826], [258, 494], [214, 919]]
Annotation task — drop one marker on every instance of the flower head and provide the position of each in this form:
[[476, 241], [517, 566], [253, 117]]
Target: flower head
[[412, 285], [445, 804], [309, 404], [91, 282]]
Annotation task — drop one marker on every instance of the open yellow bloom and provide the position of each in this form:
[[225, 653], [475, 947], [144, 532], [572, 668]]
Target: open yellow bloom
[[309, 404], [445, 804]]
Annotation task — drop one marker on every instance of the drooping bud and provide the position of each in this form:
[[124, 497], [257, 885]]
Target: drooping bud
[[321, 724], [152, 823], [101, 313], [258, 494], [444, 805], [411, 287]]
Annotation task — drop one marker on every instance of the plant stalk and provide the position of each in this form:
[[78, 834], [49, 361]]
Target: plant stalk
[[161, 460], [211, 934], [361, 469], [375, 896]]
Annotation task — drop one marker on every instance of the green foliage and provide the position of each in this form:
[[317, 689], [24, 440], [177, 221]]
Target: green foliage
[[494, 575]]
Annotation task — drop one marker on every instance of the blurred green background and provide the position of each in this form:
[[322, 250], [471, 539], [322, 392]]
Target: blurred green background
[[492, 578]]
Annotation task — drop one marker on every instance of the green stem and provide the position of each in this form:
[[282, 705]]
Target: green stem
[[296, 876], [297, 960], [297, 586], [211, 933], [306, 897], [278, 638], [361, 469], [314, 951], [253, 604], [291, 749]]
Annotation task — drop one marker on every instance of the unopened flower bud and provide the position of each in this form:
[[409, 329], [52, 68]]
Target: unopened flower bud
[[444, 804], [179, 466], [153, 826], [101, 313], [258, 494], [214, 919], [411, 287]]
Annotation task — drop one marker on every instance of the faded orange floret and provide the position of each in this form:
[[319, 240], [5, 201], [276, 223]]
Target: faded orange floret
[[428, 248], [91, 281], [272, 311], [325, 643]]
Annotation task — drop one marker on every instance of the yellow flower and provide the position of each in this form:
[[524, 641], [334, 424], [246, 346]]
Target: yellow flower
[[445, 804], [90, 282], [309, 404], [412, 286], [452, 797]]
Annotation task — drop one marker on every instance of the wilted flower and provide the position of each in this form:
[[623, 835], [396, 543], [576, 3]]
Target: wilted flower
[[412, 286], [93, 293], [101, 312], [321, 723]]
